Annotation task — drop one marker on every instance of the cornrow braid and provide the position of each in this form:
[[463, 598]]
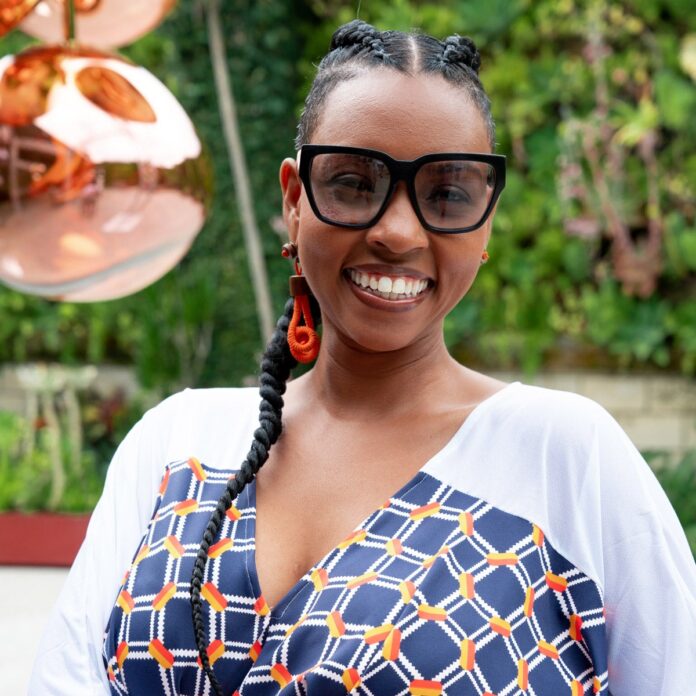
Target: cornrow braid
[[358, 46], [358, 37], [276, 365], [461, 50]]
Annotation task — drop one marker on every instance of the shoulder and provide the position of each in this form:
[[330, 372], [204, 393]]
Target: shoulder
[[542, 411], [561, 461], [531, 434], [205, 423], [543, 427], [191, 407], [194, 401], [578, 442], [570, 441]]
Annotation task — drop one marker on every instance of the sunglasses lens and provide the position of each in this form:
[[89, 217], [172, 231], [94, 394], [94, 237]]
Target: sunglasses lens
[[454, 194], [349, 189]]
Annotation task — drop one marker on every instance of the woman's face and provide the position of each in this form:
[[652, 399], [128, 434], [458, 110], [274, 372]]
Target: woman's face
[[405, 117]]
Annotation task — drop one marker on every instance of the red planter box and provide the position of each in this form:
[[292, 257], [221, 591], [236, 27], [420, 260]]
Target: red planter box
[[41, 538]]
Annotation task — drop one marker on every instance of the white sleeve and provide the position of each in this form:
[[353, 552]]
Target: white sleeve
[[649, 577], [69, 658], [561, 461]]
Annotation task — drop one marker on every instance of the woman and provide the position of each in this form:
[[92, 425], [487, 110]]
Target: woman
[[419, 528]]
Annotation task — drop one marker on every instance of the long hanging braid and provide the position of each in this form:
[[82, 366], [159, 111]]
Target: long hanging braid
[[276, 365], [354, 46]]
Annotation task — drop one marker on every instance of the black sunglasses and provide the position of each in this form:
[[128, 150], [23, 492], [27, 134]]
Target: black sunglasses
[[450, 192]]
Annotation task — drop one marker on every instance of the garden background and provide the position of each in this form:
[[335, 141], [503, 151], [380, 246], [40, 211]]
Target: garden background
[[593, 257]]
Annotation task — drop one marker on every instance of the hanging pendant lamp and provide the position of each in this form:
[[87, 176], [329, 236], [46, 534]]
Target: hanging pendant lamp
[[103, 23], [103, 184]]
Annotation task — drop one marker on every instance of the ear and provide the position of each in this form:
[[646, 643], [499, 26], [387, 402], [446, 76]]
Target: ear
[[291, 188]]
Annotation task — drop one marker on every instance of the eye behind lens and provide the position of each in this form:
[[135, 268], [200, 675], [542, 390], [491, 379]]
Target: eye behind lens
[[454, 194], [348, 189]]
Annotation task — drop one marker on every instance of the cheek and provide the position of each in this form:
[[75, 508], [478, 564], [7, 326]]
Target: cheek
[[319, 258], [459, 284], [458, 265], [311, 235]]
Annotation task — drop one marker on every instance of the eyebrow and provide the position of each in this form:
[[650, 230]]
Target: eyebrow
[[348, 157], [447, 166]]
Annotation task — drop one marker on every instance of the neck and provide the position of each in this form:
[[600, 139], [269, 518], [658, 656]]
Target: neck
[[349, 382]]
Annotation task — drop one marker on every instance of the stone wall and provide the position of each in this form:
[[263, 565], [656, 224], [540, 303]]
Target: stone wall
[[658, 412]]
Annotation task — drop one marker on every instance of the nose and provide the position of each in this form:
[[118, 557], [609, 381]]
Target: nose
[[399, 230]]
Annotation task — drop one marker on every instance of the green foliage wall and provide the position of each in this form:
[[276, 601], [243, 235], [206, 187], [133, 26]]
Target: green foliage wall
[[558, 290], [555, 291]]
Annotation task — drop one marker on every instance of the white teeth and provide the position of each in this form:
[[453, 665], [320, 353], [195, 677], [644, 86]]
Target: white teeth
[[399, 288]]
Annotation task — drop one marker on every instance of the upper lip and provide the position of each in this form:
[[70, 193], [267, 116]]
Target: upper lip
[[387, 270]]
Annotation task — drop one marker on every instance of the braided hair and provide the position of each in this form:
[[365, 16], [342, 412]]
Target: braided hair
[[358, 46], [276, 365], [355, 47]]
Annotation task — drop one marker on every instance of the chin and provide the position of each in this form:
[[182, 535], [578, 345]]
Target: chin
[[379, 340]]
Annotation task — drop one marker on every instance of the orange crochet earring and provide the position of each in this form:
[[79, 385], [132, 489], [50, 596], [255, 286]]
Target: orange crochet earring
[[484, 256], [303, 341]]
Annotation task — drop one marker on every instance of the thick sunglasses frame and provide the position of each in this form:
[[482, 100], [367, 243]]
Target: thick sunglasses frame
[[401, 170]]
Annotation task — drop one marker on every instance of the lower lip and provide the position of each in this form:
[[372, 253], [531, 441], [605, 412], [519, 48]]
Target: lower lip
[[390, 305]]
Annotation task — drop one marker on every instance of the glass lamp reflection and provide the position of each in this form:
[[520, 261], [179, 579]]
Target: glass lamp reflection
[[103, 23], [12, 12], [103, 185]]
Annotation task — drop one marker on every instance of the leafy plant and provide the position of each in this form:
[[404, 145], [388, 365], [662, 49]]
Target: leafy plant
[[591, 254], [46, 465], [26, 474]]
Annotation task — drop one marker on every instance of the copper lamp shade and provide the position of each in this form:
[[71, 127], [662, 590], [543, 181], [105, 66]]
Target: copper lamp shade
[[103, 23], [12, 12], [103, 185]]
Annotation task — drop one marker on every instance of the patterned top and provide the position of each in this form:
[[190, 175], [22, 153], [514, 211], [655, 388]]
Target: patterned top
[[534, 554], [436, 592]]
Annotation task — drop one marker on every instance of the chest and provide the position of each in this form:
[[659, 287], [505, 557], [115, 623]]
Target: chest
[[318, 487]]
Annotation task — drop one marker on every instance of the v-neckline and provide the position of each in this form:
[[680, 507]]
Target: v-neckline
[[278, 610]]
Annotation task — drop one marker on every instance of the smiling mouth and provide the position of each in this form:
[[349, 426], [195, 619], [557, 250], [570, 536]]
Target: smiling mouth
[[388, 287]]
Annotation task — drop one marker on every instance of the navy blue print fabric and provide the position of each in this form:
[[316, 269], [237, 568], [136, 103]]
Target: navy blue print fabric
[[435, 593]]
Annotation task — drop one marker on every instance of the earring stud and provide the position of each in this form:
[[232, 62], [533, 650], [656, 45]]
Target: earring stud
[[289, 250]]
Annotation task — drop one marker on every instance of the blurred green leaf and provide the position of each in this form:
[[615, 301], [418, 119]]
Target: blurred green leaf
[[676, 100]]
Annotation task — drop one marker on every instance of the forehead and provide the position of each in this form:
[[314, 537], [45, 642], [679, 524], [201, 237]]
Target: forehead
[[403, 115]]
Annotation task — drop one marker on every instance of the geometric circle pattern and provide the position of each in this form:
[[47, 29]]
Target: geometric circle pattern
[[435, 593]]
